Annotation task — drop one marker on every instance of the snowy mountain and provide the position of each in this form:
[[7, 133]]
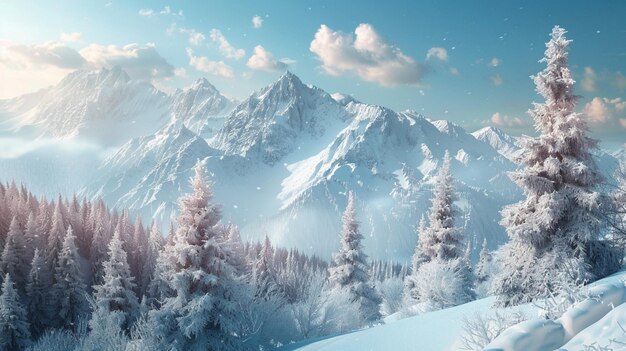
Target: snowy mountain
[[201, 107], [500, 141], [268, 125], [286, 157], [105, 106], [109, 108]]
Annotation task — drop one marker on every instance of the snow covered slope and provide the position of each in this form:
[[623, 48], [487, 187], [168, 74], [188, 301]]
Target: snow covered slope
[[286, 157], [109, 108], [594, 324]]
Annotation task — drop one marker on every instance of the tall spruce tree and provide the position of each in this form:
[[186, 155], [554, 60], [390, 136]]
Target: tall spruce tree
[[554, 232], [200, 314], [55, 235], [37, 285], [116, 294], [14, 327], [13, 260], [69, 290], [442, 239], [441, 275], [263, 271], [350, 269]]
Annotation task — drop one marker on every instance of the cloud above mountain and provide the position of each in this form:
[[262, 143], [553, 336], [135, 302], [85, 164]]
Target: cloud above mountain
[[204, 64], [140, 62], [51, 53], [225, 47], [366, 54], [263, 60], [32, 67]]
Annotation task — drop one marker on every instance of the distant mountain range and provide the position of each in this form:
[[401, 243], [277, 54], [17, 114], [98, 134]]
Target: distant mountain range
[[108, 107], [282, 161]]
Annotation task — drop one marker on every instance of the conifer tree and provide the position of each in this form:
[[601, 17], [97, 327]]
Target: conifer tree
[[153, 248], [56, 235], [263, 271], [484, 260], [13, 260], [350, 269], [554, 232], [32, 238], [98, 248], [200, 314], [441, 276], [69, 291], [116, 293], [37, 285], [442, 239], [14, 327]]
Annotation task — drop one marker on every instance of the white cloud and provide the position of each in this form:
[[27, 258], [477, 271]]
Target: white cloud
[[166, 11], [497, 80], [225, 48], [367, 55], [606, 113], [589, 80], [73, 37], [257, 22], [263, 60], [440, 54], [180, 72], [454, 71], [51, 53], [592, 79], [195, 38], [597, 111], [146, 12], [32, 67], [506, 121], [619, 80], [140, 62], [203, 64], [619, 105], [495, 62]]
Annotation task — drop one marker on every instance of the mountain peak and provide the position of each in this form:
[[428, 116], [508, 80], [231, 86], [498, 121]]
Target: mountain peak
[[289, 78], [202, 83], [491, 131], [448, 127], [116, 73], [343, 99]]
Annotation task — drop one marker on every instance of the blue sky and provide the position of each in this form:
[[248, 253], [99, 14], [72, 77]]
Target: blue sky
[[481, 53]]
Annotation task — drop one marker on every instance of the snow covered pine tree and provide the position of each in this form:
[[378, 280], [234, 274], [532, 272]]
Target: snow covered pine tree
[[200, 314], [14, 327], [441, 275], [554, 233], [350, 270], [115, 296]]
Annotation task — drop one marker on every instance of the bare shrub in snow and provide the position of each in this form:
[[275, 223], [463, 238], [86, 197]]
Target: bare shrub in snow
[[392, 291], [445, 283], [480, 330], [564, 294]]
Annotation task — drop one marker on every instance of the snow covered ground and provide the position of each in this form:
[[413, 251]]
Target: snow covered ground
[[595, 322]]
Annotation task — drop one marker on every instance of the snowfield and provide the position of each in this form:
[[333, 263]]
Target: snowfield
[[597, 321]]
